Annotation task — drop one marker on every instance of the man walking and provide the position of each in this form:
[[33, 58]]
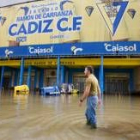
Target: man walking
[[93, 95]]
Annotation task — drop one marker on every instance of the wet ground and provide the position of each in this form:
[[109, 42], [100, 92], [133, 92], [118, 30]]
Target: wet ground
[[60, 118]]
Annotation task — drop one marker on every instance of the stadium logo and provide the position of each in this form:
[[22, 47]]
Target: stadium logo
[[2, 20], [62, 3], [7, 52], [25, 9], [112, 12], [131, 13], [75, 50], [89, 10], [120, 48]]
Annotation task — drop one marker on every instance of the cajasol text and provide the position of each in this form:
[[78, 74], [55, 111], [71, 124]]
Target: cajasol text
[[120, 48], [39, 50]]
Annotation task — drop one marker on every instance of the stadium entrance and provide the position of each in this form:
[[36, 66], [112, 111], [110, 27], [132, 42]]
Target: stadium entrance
[[117, 83]]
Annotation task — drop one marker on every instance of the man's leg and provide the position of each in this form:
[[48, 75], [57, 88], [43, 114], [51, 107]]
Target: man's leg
[[87, 113], [93, 118], [93, 106], [87, 116]]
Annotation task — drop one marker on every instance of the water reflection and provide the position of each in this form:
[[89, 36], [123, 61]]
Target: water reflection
[[21, 101], [37, 117]]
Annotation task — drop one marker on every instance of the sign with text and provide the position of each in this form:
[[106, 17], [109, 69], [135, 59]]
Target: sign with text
[[73, 49], [63, 21]]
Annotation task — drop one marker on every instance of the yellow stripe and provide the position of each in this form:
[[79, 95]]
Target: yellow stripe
[[74, 62]]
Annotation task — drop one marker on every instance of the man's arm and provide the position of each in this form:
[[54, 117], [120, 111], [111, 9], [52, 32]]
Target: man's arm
[[86, 93], [99, 93]]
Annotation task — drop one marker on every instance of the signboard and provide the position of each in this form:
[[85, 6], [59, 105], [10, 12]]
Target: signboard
[[72, 49], [73, 62], [40, 22], [62, 21], [70, 27]]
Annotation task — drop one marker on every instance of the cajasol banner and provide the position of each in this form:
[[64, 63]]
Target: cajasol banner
[[64, 21], [72, 49]]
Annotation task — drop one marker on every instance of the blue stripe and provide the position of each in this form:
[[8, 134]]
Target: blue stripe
[[119, 14], [88, 48]]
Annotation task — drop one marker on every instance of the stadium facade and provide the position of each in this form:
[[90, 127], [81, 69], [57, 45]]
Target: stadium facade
[[50, 42]]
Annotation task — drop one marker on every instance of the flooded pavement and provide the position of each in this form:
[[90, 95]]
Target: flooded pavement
[[60, 118]]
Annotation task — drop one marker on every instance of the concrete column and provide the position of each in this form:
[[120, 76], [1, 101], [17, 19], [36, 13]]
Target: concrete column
[[2, 77], [29, 76], [101, 75], [58, 71], [21, 71]]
